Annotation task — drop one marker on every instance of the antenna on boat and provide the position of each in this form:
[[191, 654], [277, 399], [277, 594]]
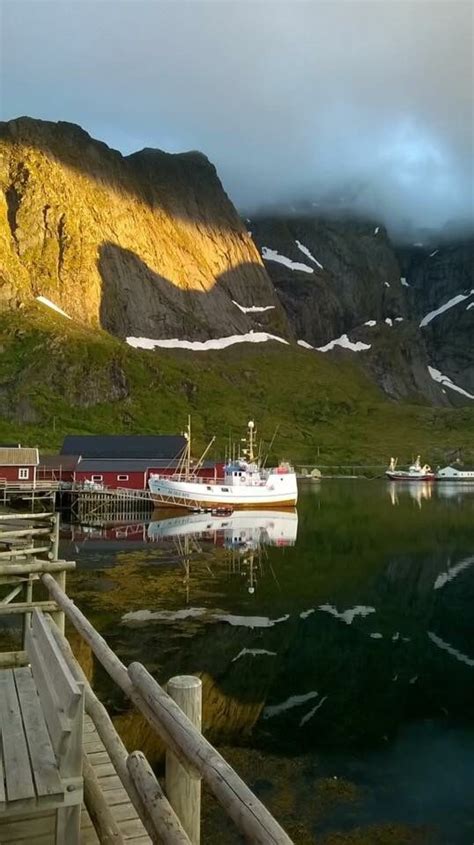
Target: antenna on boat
[[271, 443], [206, 450]]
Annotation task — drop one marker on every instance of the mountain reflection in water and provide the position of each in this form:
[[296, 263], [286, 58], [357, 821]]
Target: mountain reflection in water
[[339, 639]]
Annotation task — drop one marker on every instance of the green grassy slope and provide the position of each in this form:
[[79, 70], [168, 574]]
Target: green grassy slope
[[57, 377]]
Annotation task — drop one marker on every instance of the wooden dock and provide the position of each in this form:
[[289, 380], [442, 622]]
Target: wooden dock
[[65, 775]]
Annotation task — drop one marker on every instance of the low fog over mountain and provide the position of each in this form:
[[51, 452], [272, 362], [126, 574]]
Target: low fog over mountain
[[359, 106]]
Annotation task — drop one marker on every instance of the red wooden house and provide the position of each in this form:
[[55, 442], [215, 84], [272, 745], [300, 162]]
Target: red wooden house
[[18, 464], [128, 460]]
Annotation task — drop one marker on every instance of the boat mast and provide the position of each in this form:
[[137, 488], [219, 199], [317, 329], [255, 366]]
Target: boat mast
[[188, 450], [251, 435]]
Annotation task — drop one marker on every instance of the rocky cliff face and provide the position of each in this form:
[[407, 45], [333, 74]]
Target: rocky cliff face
[[345, 277], [147, 244]]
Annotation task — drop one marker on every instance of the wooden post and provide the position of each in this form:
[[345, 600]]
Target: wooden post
[[60, 578], [183, 788]]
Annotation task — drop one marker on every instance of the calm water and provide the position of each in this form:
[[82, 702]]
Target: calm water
[[336, 648]]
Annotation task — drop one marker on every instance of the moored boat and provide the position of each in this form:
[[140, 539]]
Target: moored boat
[[458, 474], [246, 483], [415, 472]]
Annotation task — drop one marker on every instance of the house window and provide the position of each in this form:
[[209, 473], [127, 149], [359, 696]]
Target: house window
[[23, 473], [122, 477], [97, 478]]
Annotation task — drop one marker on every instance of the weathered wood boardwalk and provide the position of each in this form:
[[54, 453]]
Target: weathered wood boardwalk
[[117, 799]]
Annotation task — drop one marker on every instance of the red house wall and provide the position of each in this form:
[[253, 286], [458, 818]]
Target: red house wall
[[11, 473], [136, 480]]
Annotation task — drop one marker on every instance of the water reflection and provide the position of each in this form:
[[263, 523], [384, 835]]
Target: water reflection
[[359, 632], [423, 491], [241, 530]]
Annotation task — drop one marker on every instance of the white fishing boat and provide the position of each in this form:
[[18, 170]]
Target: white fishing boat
[[415, 472], [246, 483], [457, 474]]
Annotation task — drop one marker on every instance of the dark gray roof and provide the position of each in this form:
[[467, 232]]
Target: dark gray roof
[[123, 464], [163, 446], [58, 461], [129, 465]]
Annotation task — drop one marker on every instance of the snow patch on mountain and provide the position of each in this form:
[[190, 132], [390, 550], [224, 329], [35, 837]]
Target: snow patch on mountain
[[455, 300], [272, 255], [304, 249], [253, 309], [203, 345], [45, 301], [436, 375], [344, 342]]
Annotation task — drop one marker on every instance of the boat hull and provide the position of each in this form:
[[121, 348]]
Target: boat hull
[[406, 476], [280, 492]]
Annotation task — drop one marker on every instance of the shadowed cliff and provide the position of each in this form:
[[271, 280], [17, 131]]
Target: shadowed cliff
[[139, 302]]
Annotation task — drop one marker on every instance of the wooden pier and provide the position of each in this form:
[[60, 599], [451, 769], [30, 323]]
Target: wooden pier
[[82, 502], [65, 775]]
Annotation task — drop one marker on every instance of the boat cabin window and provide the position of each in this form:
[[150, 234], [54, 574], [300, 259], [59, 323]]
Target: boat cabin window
[[97, 478], [224, 489], [208, 487], [122, 477]]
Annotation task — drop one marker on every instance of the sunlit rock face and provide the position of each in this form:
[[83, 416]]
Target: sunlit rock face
[[147, 244], [348, 289]]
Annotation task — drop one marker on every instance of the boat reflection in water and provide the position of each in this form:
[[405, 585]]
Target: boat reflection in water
[[238, 530], [242, 534], [423, 491]]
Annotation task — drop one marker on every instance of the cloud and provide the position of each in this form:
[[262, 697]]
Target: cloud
[[368, 101]]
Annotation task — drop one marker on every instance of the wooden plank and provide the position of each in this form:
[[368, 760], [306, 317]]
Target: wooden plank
[[41, 566], [68, 691], [124, 812], [89, 836], [43, 762], [133, 828], [117, 795], [59, 727], [104, 769], [19, 782], [15, 608], [13, 658], [110, 782], [98, 757], [2, 777], [14, 829]]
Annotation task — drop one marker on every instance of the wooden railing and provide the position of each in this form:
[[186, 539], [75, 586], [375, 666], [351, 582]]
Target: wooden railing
[[197, 757]]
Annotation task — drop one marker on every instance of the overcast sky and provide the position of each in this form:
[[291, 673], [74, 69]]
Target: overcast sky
[[370, 98]]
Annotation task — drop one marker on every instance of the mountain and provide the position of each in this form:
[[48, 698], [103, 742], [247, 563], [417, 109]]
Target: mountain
[[147, 244], [97, 248], [339, 277]]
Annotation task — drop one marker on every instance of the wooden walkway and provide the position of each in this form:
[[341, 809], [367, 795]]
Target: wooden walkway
[[116, 797]]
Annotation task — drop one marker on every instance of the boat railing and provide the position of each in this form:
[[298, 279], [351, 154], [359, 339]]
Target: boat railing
[[191, 479]]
